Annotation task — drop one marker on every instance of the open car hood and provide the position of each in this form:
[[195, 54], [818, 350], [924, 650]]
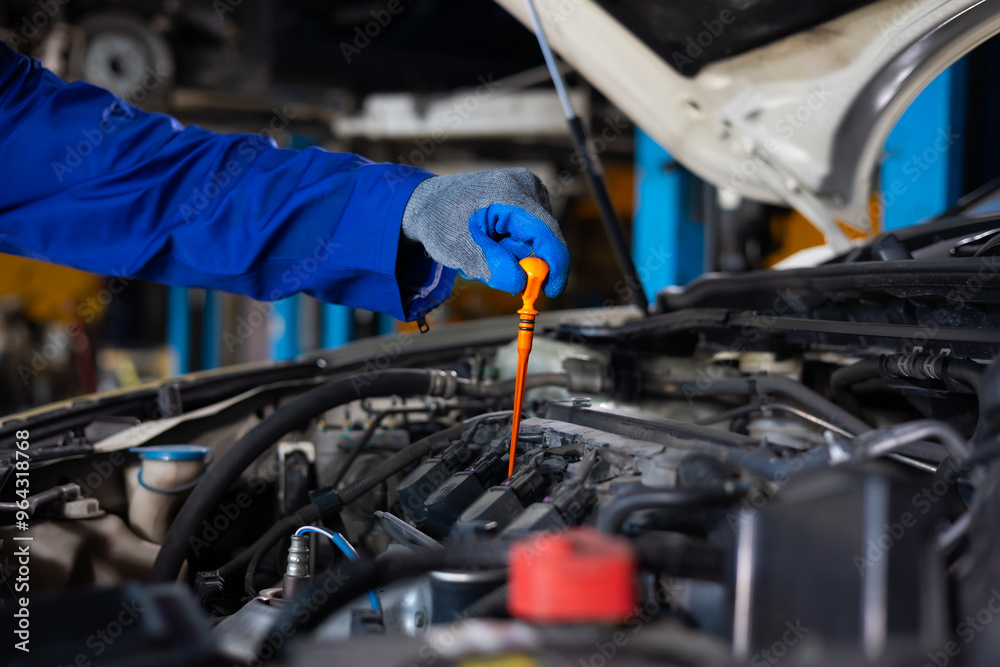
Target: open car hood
[[798, 118]]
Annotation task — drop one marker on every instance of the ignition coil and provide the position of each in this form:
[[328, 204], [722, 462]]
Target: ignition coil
[[501, 504], [566, 506], [423, 480], [445, 505]]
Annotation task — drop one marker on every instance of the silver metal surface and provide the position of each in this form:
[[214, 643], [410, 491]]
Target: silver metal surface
[[874, 606], [298, 556], [237, 636], [482, 577], [743, 594]]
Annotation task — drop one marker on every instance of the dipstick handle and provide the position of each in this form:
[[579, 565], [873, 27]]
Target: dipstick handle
[[537, 271]]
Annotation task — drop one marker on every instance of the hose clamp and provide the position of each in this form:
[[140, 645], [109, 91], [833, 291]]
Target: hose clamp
[[443, 383]]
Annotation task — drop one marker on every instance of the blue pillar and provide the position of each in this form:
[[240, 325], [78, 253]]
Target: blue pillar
[[211, 330], [338, 325], [667, 245], [921, 175], [178, 330], [386, 325], [284, 329]]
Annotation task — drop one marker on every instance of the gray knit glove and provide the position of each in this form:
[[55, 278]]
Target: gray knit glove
[[482, 223]]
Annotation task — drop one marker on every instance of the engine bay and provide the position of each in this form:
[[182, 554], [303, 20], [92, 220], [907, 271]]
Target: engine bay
[[676, 498]]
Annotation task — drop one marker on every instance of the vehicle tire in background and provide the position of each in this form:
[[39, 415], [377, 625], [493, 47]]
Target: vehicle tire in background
[[123, 55]]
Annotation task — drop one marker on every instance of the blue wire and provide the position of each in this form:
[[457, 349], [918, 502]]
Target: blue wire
[[341, 543]]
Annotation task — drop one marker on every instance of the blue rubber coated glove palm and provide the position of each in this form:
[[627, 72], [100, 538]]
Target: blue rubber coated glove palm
[[484, 222]]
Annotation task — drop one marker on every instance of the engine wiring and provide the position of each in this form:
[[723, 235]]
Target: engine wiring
[[345, 547], [682, 489]]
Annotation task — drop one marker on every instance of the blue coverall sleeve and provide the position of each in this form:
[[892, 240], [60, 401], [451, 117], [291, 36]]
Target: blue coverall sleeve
[[89, 181]]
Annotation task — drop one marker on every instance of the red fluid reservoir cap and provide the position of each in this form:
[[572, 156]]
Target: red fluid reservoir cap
[[576, 576]]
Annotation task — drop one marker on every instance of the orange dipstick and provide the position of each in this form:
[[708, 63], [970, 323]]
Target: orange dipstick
[[537, 270]]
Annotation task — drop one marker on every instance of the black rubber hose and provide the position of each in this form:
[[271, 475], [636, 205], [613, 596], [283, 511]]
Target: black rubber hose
[[776, 384], [359, 447], [965, 371], [398, 461], [311, 513], [845, 377], [332, 589], [62, 493], [613, 513], [505, 388], [915, 366], [678, 555], [220, 476], [766, 464], [250, 559], [491, 605], [988, 432]]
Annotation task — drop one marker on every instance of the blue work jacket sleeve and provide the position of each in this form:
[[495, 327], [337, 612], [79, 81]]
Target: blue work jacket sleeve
[[90, 181]]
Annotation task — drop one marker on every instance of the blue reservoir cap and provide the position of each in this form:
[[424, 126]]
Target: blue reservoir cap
[[172, 452]]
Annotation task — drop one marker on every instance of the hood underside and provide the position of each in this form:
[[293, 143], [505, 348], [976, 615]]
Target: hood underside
[[798, 119]]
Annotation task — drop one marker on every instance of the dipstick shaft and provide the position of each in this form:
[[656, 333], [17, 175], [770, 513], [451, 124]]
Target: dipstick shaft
[[537, 271]]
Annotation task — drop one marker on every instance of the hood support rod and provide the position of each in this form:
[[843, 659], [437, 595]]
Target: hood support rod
[[593, 170]]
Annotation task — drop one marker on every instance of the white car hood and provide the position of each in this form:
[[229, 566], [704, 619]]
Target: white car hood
[[800, 121]]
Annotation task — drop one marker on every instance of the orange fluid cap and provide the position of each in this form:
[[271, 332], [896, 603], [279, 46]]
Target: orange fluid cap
[[537, 271]]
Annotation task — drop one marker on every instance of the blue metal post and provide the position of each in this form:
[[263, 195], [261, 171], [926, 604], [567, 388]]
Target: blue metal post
[[386, 325], [211, 330], [924, 155], [178, 330], [667, 245], [283, 331], [338, 325]]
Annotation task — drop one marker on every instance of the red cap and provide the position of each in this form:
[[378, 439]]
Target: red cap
[[575, 576]]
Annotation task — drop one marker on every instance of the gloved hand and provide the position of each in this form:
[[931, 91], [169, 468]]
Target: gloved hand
[[482, 223]]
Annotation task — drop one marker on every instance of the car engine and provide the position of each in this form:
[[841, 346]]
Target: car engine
[[697, 487]]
